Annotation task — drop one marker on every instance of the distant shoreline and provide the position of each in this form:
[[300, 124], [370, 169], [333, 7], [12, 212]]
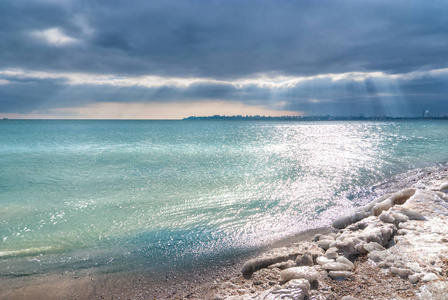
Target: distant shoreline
[[308, 118]]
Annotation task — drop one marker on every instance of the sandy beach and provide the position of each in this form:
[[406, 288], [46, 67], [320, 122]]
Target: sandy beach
[[201, 283]]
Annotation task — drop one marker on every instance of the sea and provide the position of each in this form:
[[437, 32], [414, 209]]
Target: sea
[[138, 195]]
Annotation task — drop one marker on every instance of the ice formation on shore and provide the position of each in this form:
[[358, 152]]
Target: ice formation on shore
[[404, 233]]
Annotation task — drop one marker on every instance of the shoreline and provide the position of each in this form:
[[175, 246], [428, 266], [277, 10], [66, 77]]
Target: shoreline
[[220, 281], [88, 284]]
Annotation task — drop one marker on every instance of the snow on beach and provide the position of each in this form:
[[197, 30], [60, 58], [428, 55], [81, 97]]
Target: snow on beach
[[396, 247]]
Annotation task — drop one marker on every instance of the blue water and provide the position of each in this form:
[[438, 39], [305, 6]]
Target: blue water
[[127, 195]]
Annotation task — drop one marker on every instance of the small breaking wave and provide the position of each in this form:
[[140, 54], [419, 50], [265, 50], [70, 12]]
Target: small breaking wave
[[34, 251]]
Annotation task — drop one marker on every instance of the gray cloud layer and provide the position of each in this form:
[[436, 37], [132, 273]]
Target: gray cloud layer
[[371, 96], [226, 40]]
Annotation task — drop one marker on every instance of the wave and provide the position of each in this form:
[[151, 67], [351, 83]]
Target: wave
[[34, 251]]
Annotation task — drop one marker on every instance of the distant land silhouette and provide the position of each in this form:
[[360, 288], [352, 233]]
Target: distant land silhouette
[[309, 118]]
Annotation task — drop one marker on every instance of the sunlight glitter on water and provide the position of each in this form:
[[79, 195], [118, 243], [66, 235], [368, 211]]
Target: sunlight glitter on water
[[93, 191]]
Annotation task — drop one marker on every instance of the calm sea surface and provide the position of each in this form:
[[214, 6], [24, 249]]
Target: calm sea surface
[[127, 195]]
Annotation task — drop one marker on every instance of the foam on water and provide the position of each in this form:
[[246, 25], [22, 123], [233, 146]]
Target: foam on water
[[134, 194]]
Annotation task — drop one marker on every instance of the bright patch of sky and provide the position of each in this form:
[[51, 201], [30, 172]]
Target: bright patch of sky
[[54, 37], [262, 81]]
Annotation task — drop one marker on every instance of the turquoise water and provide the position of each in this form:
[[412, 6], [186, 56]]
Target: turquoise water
[[122, 195]]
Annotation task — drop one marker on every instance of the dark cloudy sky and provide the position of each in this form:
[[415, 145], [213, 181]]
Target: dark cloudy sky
[[170, 59]]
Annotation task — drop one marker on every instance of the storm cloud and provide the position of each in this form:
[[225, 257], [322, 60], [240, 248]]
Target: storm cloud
[[282, 54]]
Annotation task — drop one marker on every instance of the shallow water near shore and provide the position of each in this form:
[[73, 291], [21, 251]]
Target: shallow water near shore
[[155, 196]]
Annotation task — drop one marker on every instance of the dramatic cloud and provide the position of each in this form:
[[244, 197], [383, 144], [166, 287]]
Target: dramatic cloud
[[312, 57]]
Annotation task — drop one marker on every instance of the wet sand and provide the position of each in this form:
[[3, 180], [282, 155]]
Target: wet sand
[[200, 283]]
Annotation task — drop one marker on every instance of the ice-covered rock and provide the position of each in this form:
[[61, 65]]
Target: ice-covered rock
[[382, 206], [414, 278], [420, 241], [434, 290], [273, 257], [409, 238], [412, 215], [402, 272], [377, 256], [304, 260], [322, 260], [344, 260], [351, 240], [332, 253], [336, 266], [308, 273], [299, 283], [325, 244], [386, 217], [399, 217], [429, 277], [375, 208], [350, 219], [297, 289], [373, 246], [283, 265], [443, 186], [339, 274], [315, 252], [402, 196], [414, 267]]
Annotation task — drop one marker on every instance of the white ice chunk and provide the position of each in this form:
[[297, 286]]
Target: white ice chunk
[[430, 277], [308, 273], [332, 253], [322, 260], [325, 244], [386, 217], [344, 260]]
